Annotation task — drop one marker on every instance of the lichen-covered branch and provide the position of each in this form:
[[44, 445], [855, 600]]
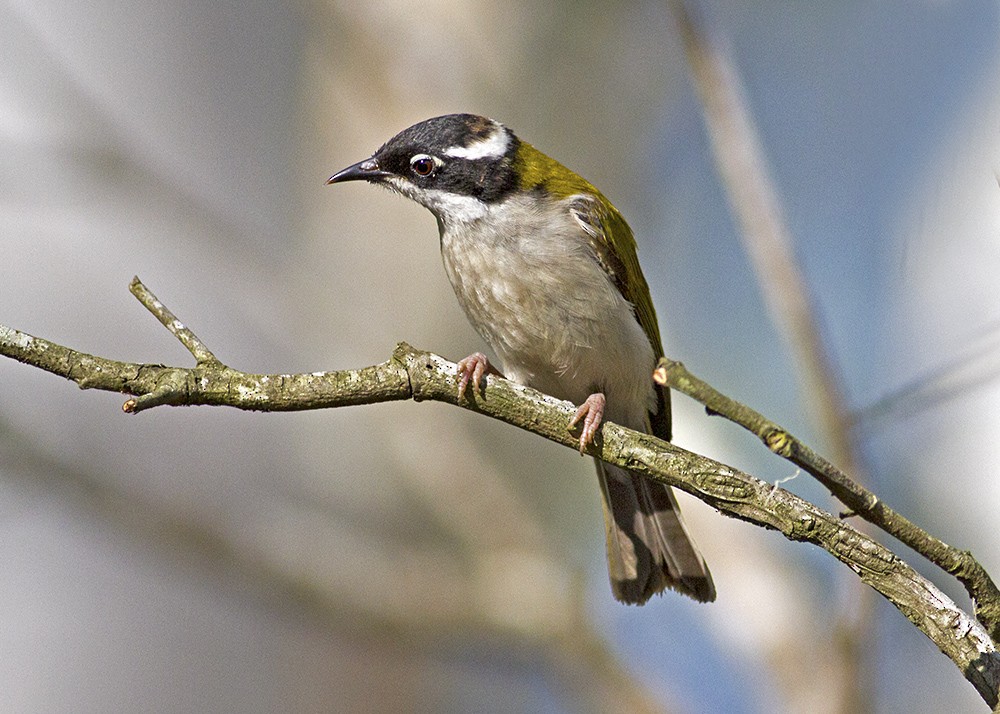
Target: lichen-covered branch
[[415, 374], [859, 499], [212, 384]]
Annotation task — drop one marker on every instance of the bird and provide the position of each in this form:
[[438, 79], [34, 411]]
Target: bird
[[546, 270]]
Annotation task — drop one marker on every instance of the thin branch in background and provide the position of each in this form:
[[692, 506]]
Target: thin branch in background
[[754, 200], [978, 365], [742, 166]]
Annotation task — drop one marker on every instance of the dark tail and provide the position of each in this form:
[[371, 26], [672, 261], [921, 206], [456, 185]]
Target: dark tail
[[648, 548]]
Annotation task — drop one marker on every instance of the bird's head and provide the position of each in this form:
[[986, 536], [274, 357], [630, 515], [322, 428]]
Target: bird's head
[[461, 165]]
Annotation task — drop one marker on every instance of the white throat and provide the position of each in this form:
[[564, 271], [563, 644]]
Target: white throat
[[451, 208]]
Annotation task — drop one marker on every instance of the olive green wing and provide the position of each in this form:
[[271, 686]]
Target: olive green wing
[[614, 248]]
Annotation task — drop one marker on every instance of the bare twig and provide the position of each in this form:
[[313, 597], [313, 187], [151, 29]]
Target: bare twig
[[418, 375], [975, 368], [177, 328]]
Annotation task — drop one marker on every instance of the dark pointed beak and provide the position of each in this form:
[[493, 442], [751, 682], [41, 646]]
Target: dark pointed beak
[[366, 170]]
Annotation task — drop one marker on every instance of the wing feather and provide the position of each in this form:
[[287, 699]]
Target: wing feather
[[618, 258]]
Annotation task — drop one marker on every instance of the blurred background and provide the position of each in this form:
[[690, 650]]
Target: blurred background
[[415, 557]]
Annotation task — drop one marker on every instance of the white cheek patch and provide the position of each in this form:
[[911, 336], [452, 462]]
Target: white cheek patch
[[492, 147]]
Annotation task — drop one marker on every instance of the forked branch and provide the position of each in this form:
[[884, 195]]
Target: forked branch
[[860, 500], [414, 374]]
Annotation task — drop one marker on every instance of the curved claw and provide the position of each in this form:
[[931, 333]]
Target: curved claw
[[474, 369], [592, 413]]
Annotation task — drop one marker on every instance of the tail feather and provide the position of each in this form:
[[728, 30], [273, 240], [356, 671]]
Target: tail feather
[[649, 549]]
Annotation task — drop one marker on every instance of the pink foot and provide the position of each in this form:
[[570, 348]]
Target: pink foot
[[592, 412], [474, 369]]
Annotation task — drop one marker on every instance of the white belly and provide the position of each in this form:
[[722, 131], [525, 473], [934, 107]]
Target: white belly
[[549, 312]]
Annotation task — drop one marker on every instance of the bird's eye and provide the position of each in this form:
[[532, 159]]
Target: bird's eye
[[422, 164]]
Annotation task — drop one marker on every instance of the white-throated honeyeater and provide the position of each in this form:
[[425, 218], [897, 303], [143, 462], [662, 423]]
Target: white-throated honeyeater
[[546, 270]]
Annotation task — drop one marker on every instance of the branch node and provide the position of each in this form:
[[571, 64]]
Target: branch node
[[162, 395], [779, 441]]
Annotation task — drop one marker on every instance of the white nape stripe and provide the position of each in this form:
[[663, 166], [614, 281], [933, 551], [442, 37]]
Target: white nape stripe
[[492, 147]]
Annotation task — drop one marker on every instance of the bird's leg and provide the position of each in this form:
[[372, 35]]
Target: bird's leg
[[473, 369], [592, 412]]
